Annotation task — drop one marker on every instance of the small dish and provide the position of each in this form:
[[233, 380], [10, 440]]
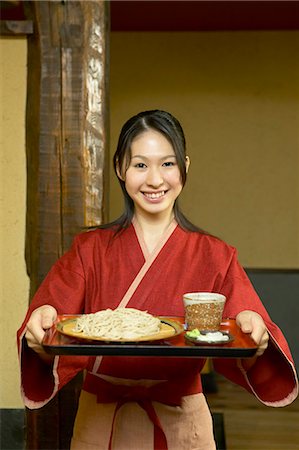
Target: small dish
[[227, 338]]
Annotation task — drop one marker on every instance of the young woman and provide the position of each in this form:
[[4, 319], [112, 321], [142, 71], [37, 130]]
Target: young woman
[[147, 259]]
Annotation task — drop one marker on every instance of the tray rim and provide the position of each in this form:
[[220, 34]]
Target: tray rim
[[168, 347]]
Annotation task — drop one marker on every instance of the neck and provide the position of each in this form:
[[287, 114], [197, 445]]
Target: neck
[[153, 230], [152, 223]]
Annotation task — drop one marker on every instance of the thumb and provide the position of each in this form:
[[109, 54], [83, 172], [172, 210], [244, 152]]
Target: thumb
[[246, 326], [244, 321], [48, 317]]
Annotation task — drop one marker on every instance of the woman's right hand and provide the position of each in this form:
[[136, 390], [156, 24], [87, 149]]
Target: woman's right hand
[[40, 320]]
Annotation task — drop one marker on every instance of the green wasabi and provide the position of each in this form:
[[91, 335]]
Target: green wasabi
[[193, 333]]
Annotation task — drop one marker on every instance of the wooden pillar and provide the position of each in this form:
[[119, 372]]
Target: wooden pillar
[[67, 148], [66, 127]]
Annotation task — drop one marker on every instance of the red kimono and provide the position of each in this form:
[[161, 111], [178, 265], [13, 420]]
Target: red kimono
[[103, 271]]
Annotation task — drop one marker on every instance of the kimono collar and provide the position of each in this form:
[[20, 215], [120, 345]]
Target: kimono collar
[[166, 235]]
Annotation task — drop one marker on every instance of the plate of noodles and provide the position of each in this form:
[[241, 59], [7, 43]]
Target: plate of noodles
[[120, 325]]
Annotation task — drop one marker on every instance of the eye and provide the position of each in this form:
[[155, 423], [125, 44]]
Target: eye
[[168, 164], [140, 165]]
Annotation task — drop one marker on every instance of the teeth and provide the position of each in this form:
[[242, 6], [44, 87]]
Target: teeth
[[154, 194]]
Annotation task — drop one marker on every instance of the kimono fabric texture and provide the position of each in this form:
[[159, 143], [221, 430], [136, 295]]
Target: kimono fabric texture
[[103, 271]]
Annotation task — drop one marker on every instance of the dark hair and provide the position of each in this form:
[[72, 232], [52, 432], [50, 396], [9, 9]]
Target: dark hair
[[169, 126]]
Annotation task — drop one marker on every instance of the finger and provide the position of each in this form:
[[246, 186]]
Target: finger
[[34, 338], [246, 326], [32, 343], [257, 335], [259, 332], [265, 340], [260, 351], [263, 344], [48, 319]]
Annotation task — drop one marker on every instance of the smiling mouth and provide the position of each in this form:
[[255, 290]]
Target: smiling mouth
[[154, 195]]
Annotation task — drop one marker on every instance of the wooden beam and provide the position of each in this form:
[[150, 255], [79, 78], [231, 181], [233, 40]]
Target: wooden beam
[[66, 147], [16, 27], [66, 127]]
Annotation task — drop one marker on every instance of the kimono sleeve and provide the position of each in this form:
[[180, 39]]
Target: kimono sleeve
[[64, 289], [272, 378]]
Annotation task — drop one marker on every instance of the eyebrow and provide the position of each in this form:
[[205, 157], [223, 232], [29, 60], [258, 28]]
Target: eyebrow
[[145, 157]]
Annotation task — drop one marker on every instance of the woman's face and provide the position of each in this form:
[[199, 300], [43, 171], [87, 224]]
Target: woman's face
[[152, 179]]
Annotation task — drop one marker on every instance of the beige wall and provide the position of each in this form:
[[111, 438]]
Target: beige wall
[[237, 96], [14, 281]]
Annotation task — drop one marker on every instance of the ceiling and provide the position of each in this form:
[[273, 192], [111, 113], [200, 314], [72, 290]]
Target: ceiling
[[160, 15], [203, 15]]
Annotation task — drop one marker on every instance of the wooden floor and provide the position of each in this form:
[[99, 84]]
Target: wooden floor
[[249, 425]]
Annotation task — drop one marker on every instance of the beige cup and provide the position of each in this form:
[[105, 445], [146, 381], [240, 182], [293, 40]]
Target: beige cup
[[203, 310]]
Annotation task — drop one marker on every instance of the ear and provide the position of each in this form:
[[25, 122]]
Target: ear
[[187, 163], [118, 171]]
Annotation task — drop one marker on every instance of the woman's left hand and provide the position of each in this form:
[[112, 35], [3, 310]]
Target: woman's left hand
[[252, 323]]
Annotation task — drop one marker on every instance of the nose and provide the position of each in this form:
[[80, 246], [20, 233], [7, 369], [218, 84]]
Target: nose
[[154, 177]]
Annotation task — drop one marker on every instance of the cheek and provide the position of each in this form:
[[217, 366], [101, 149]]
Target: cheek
[[133, 182], [174, 179]]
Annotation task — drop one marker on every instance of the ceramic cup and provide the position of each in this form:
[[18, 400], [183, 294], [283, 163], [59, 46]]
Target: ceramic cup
[[203, 310]]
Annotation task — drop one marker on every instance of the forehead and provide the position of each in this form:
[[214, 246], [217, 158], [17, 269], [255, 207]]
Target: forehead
[[151, 142]]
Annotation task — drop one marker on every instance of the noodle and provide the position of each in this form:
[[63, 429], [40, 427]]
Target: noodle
[[121, 323]]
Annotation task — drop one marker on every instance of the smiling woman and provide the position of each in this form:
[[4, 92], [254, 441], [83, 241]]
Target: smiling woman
[[147, 260]]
